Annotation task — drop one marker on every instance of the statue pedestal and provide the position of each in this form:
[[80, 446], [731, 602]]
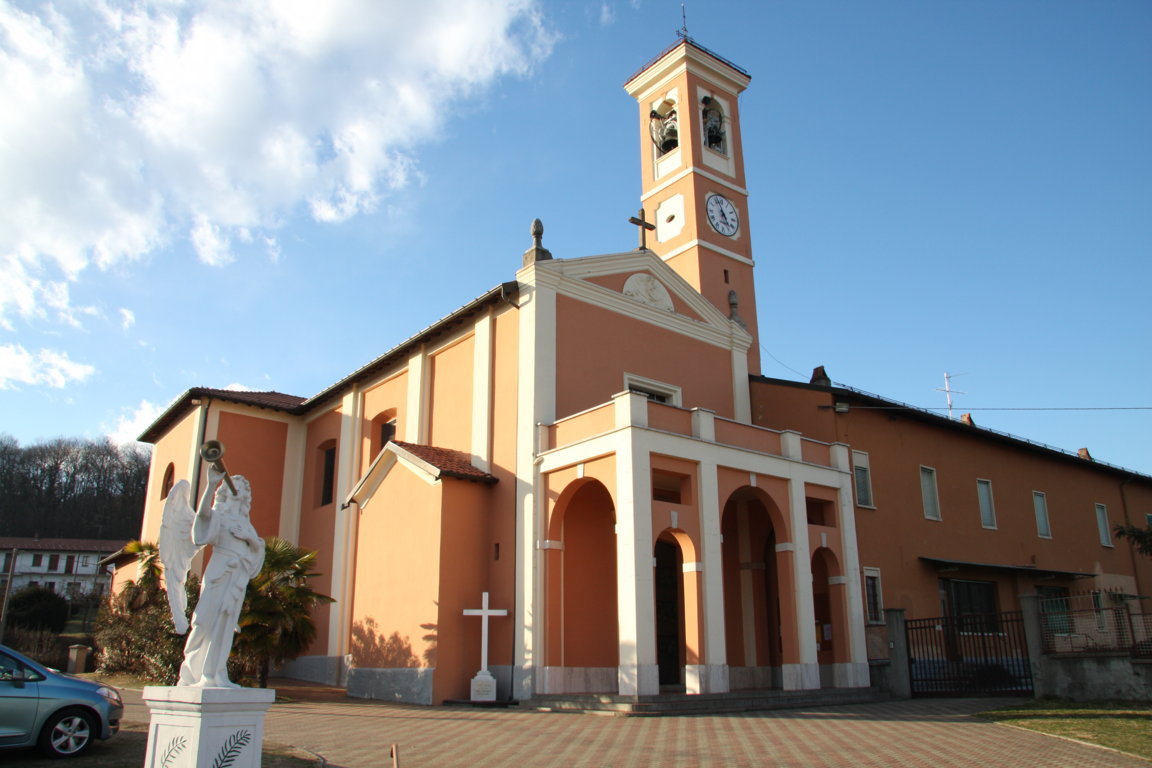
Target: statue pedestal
[[205, 727]]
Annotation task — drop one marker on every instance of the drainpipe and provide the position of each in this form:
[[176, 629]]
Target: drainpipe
[[204, 405]]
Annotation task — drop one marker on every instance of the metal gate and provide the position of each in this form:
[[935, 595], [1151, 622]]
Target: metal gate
[[969, 655]]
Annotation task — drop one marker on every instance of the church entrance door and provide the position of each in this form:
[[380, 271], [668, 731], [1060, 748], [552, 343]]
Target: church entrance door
[[669, 616]]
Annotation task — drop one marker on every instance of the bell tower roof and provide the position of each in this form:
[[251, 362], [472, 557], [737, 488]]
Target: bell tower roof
[[693, 50]]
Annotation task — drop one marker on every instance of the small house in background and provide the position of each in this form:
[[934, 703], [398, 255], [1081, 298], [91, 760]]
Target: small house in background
[[69, 567]]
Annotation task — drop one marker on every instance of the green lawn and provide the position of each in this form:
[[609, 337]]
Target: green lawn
[[1126, 727]]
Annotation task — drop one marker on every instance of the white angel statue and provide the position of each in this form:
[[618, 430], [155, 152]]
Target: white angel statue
[[237, 555]]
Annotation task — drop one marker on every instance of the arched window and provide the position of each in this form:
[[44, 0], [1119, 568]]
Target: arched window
[[383, 430], [712, 117], [326, 472], [169, 481]]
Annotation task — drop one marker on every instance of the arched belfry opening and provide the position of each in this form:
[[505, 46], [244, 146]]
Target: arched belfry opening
[[664, 127], [712, 119], [751, 527], [582, 650]]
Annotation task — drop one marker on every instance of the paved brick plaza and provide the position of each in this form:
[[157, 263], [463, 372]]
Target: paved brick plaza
[[349, 733]]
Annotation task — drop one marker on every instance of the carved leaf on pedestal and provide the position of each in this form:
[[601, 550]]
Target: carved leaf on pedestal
[[232, 749], [174, 748]]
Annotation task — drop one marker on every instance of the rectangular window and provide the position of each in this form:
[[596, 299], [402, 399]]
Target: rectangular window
[[863, 475], [929, 494], [53, 562], [1102, 525], [70, 564], [873, 596], [328, 484], [656, 391], [1040, 504], [37, 560], [1148, 520], [987, 507]]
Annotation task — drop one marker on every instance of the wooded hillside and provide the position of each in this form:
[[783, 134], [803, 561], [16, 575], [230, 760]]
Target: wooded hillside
[[70, 488]]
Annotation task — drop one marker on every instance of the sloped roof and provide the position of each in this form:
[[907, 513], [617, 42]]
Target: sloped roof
[[449, 462], [295, 405], [276, 401], [31, 544]]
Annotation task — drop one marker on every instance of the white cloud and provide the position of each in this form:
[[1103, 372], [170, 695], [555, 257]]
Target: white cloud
[[236, 387], [127, 318], [607, 15], [46, 367], [127, 126], [132, 422]]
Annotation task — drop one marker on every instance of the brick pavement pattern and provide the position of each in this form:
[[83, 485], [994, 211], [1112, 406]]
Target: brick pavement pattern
[[349, 733]]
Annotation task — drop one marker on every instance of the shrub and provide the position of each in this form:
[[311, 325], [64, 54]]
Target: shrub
[[38, 608], [135, 635]]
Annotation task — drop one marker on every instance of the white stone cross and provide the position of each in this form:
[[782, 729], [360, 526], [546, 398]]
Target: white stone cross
[[484, 612]]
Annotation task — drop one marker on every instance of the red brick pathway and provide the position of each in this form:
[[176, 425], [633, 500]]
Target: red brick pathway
[[349, 733]]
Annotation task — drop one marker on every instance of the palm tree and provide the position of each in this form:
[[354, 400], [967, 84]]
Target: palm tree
[[1141, 538], [276, 623], [146, 589]]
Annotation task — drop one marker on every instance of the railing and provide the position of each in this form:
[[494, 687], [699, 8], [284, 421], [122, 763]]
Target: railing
[[1095, 622]]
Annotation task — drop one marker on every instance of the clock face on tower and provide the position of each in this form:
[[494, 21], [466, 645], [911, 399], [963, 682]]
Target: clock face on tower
[[722, 215]]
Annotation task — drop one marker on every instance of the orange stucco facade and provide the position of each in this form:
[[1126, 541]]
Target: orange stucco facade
[[589, 445]]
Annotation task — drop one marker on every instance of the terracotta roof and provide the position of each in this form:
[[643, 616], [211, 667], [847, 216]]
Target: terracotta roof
[[27, 543], [276, 401], [451, 463]]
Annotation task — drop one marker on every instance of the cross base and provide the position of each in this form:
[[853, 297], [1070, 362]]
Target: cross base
[[484, 686]]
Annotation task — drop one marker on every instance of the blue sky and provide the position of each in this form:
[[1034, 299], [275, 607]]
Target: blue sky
[[268, 195]]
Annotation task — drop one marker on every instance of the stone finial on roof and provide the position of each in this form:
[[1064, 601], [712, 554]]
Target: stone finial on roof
[[1083, 453], [967, 419], [537, 252], [734, 309], [820, 378]]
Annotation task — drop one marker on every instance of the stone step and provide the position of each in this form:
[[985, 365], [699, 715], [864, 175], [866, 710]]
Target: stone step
[[694, 704]]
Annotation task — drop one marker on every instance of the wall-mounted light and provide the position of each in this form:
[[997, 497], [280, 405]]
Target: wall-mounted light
[[840, 407]]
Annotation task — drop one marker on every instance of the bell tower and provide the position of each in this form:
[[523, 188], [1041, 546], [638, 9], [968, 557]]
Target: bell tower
[[692, 164]]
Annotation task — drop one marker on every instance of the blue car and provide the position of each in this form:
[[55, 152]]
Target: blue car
[[60, 713]]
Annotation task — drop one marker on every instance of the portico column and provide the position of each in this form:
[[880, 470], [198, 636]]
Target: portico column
[[713, 678], [852, 672], [636, 610], [800, 669]]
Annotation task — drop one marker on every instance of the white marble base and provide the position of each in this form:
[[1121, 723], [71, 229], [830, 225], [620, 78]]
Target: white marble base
[[483, 686], [851, 675], [800, 677], [203, 727], [706, 678]]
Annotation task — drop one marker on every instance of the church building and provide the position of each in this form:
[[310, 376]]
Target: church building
[[645, 524]]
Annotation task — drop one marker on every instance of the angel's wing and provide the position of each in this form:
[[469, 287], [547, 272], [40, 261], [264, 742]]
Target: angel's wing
[[177, 550]]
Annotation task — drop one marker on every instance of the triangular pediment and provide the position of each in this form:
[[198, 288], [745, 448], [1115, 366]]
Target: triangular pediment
[[636, 283]]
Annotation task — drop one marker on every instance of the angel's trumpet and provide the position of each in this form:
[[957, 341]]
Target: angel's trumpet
[[213, 452]]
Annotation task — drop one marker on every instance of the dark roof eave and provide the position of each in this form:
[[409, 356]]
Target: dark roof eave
[[912, 411], [508, 291], [1030, 569]]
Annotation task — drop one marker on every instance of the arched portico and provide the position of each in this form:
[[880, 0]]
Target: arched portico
[[679, 611], [758, 589], [830, 607], [581, 653]]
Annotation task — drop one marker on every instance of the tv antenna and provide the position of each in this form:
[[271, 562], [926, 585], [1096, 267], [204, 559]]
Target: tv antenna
[[948, 391]]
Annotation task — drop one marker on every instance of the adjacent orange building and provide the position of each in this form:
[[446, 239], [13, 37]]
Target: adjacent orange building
[[648, 524]]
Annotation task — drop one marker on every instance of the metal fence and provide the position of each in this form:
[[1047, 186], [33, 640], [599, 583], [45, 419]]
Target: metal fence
[[969, 655], [1096, 622]]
